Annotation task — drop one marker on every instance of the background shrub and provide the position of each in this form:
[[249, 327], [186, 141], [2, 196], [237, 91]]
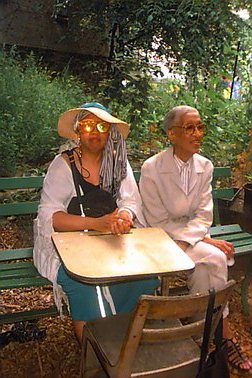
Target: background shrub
[[31, 100], [227, 122]]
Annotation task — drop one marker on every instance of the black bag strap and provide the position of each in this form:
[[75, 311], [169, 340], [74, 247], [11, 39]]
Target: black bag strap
[[207, 328], [75, 178], [218, 335]]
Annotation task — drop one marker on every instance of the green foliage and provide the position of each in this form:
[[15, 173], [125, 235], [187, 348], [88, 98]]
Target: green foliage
[[228, 122], [129, 89], [201, 36], [31, 101]]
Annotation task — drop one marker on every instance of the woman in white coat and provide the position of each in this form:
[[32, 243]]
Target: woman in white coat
[[175, 187]]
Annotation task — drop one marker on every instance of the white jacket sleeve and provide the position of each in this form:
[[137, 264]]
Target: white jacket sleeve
[[198, 226], [58, 187], [57, 191]]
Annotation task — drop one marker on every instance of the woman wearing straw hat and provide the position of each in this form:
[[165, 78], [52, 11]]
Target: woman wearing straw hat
[[98, 168]]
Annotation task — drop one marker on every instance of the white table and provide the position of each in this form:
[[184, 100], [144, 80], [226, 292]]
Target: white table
[[99, 258]]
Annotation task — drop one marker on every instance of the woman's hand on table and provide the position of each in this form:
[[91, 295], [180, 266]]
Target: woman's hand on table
[[104, 223], [117, 223]]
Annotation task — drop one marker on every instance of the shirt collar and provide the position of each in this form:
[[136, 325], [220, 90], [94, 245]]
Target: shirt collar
[[182, 164]]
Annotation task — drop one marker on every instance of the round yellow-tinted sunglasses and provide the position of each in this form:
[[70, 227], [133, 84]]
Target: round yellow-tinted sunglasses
[[89, 126]]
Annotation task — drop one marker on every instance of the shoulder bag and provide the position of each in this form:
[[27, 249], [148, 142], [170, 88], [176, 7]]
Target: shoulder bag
[[214, 364]]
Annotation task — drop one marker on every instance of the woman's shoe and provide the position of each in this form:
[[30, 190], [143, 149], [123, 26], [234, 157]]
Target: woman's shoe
[[236, 357]]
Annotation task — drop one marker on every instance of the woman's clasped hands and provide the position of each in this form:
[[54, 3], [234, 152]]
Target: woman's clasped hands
[[115, 222]]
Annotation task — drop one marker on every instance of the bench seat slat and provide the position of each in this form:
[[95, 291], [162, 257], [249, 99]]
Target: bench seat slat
[[239, 243], [236, 237], [15, 254], [16, 266], [243, 250], [23, 282], [246, 243], [226, 229], [29, 271], [33, 314]]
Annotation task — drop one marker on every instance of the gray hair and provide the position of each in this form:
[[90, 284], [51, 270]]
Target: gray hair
[[114, 162], [79, 116], [172, 117]]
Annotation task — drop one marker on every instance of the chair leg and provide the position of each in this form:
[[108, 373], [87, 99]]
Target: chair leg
[[83, 355], [244, 291]]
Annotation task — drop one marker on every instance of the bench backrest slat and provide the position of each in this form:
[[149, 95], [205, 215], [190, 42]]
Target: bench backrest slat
[[221, 172], [221, 230], [8, 183], [220, 193], [137, 176], [18, 208]]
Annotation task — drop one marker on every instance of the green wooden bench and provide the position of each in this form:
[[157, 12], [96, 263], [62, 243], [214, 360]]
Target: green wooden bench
[[233, 233], [16, 266], [17, 269]]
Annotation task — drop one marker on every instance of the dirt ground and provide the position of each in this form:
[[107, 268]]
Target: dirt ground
[[58, 354]]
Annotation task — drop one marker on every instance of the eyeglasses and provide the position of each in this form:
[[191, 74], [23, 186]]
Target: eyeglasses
[[90, 126], [191, 129]]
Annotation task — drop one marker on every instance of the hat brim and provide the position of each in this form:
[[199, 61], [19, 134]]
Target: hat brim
[[65, 123]]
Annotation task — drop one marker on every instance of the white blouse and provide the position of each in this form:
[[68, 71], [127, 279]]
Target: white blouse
[[185, 169]]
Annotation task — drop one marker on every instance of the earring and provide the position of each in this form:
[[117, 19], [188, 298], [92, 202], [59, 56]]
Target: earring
[[79, 146]]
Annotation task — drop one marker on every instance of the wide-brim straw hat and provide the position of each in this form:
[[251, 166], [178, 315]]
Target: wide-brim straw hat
[[66, 121]]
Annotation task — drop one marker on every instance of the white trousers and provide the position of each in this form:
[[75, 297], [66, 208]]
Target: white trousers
[[211, 269]]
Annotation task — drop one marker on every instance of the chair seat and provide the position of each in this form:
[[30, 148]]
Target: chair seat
[[167, 356], [151, 356]]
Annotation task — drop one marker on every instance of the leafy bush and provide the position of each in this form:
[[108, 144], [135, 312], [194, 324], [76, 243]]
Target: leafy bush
[[31, 101], [228, 122]]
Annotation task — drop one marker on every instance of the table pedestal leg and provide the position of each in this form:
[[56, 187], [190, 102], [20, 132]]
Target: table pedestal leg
[[165, 283]]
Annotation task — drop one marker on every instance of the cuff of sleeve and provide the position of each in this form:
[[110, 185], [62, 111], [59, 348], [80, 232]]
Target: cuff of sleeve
[[132, 215]]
